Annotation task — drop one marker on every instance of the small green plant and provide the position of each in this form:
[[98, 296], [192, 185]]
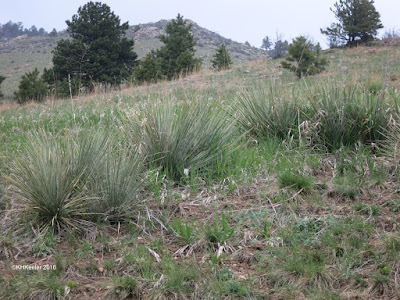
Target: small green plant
[[125, 287], [394, 205], [220, 232], [141, 261], [296, 181], [224, 274], [40, 285], [346, 116], [309, 263], [392, 245], [373, 86], [179, 280], [109, 264], [216, 260], [8, 247], [185, 231], [266, 230], [85, 250], [44, 245], [236, 288], [371, 210]]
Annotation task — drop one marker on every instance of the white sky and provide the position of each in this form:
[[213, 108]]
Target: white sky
[[238, 20]]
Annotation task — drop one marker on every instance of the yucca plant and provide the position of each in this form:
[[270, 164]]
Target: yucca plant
[[264, 114], [183, 139], [347, 116], [117, 185], [50, 178], [391, 146]]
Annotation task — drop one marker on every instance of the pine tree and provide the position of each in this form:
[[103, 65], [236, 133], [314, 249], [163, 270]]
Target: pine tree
[[98, 51], [358, 22], [31, 87], [222, 60], [266, 43], [149, 68], [177, 54], [304, 58], [53, 33], [2, 78]]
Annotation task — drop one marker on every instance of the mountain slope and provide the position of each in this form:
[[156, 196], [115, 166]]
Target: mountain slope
[[23, 54]]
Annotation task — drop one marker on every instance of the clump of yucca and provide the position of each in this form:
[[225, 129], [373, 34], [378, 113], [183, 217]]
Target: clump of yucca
[[265, 115], [117, 185], [183, 138], [347, 116], [51, 174]]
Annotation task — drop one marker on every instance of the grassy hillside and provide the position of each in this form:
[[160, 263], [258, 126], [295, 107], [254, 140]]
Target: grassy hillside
[[255, 185], [23, 54]]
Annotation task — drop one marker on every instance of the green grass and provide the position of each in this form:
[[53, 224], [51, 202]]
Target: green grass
[[295, 181]]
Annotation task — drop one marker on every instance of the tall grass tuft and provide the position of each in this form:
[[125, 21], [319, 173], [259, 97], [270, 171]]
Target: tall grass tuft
[[264, 114], [183, 139], [50, 178]]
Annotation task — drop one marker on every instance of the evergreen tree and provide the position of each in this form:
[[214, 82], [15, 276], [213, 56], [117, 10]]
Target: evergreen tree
[[53, 33], [222, 60], [60, 88], [358, 22], [304, 58], [1, 80], [31, 87], [98, 52], [266, 43], [149, 68], [11, 30], [177, 54], [280, 47]]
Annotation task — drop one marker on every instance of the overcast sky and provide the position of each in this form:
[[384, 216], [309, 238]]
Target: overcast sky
[[249, 20]]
